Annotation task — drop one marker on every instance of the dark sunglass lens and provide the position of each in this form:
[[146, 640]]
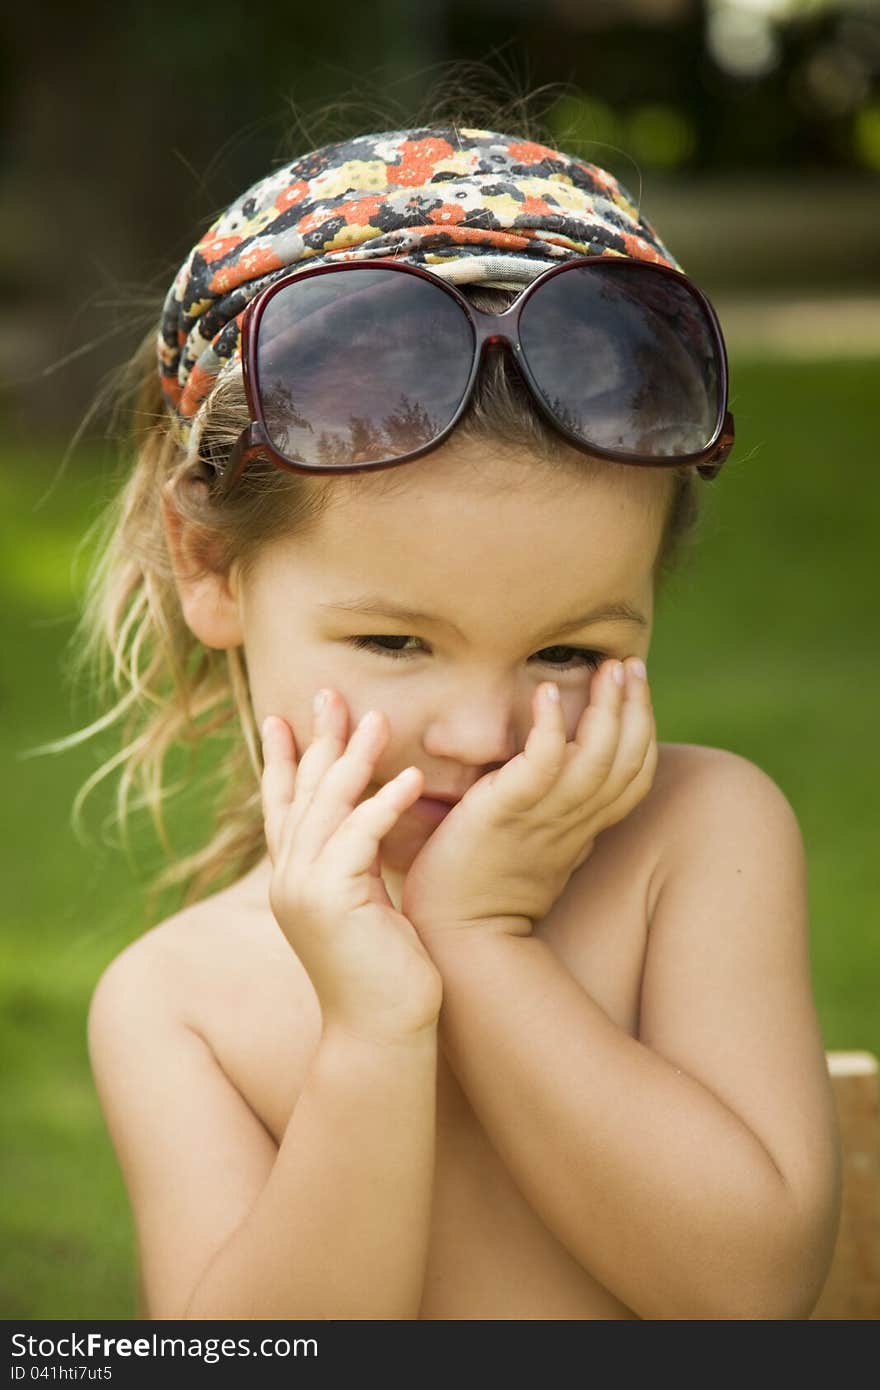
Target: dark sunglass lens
[[360, 366], [625, 358]]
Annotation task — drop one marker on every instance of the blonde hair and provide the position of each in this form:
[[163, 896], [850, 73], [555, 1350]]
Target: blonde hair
[[153, 676]]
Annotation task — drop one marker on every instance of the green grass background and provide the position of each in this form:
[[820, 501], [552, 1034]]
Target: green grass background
[[767, 645]]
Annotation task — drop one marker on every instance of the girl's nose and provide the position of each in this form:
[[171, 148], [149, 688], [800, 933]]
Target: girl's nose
[[475, 733]]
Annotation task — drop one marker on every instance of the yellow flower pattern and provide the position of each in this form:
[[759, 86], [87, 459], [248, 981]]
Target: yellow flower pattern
[[434, 195]]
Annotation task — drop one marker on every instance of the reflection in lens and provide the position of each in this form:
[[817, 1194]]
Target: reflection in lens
[[360, 366], [624, 358]]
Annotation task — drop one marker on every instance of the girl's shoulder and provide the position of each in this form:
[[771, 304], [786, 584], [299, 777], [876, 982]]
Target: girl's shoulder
[[685, 768], [679, 762], [711, 808], [222, 948], [693, 783]]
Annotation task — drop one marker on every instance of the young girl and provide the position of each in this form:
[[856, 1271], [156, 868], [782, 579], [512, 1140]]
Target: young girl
[[506, 1011]]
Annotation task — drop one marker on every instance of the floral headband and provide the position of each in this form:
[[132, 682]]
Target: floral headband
[[473, 205]]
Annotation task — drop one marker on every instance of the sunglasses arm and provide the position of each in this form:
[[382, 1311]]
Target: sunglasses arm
[[249, 443], [719, 454]]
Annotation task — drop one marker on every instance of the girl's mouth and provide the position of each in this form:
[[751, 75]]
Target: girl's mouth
[[430, 808]]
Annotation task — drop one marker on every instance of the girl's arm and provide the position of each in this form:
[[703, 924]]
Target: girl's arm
[[333, 1224], [695, 1170]]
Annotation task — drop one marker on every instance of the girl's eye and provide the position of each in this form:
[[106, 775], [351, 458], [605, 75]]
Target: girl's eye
[[591, 659]]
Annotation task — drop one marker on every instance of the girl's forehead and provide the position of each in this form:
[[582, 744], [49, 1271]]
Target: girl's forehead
[[437, 536], [473, 487]]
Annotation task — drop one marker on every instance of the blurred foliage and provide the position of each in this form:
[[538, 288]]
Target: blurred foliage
[[126, 129], [764, 645], [123, 131]]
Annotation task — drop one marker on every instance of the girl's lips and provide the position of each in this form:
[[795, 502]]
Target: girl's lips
[[431, 808]]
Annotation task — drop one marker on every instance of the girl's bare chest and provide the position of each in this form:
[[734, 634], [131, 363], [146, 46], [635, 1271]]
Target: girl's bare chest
[[489, 1255]]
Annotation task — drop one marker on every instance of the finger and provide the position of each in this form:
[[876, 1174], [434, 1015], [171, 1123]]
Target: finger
[[530, 776], [636, 790], [636, 731], [633, 787], [278, 780], [329, 739], [354, 846], [606, 698], [342, 785], [597, 735]]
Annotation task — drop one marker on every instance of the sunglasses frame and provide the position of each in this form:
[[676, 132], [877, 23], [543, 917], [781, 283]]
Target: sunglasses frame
[[501, 329]]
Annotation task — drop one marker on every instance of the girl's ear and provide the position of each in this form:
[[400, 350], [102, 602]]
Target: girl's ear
[[207, 598]]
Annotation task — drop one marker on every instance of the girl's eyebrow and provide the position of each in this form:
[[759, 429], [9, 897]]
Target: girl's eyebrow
[[377, 606]]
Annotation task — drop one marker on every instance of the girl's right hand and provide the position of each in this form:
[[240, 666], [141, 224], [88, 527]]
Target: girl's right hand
[[372, 975]]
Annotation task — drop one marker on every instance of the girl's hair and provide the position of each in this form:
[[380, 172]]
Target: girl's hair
[[169, 691]]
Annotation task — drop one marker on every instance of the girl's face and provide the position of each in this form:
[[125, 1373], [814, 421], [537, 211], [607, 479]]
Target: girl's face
[[500, 560]]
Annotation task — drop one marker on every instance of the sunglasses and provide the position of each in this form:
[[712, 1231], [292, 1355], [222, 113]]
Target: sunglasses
[[368, 364]]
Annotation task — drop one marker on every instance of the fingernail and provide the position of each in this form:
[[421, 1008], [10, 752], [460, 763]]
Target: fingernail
[[638, 668], [551, 692], [264, 728], [320, 701], [617, 673]]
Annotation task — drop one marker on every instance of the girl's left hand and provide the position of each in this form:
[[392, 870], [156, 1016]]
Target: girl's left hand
[[508, 848]]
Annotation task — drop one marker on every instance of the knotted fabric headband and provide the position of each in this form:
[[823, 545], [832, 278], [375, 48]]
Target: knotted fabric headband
[[473, 205]]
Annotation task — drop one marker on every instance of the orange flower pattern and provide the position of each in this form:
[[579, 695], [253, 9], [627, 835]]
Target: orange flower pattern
[[474, 205]]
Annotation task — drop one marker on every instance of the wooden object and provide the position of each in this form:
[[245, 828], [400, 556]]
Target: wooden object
[[852, 1289]]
